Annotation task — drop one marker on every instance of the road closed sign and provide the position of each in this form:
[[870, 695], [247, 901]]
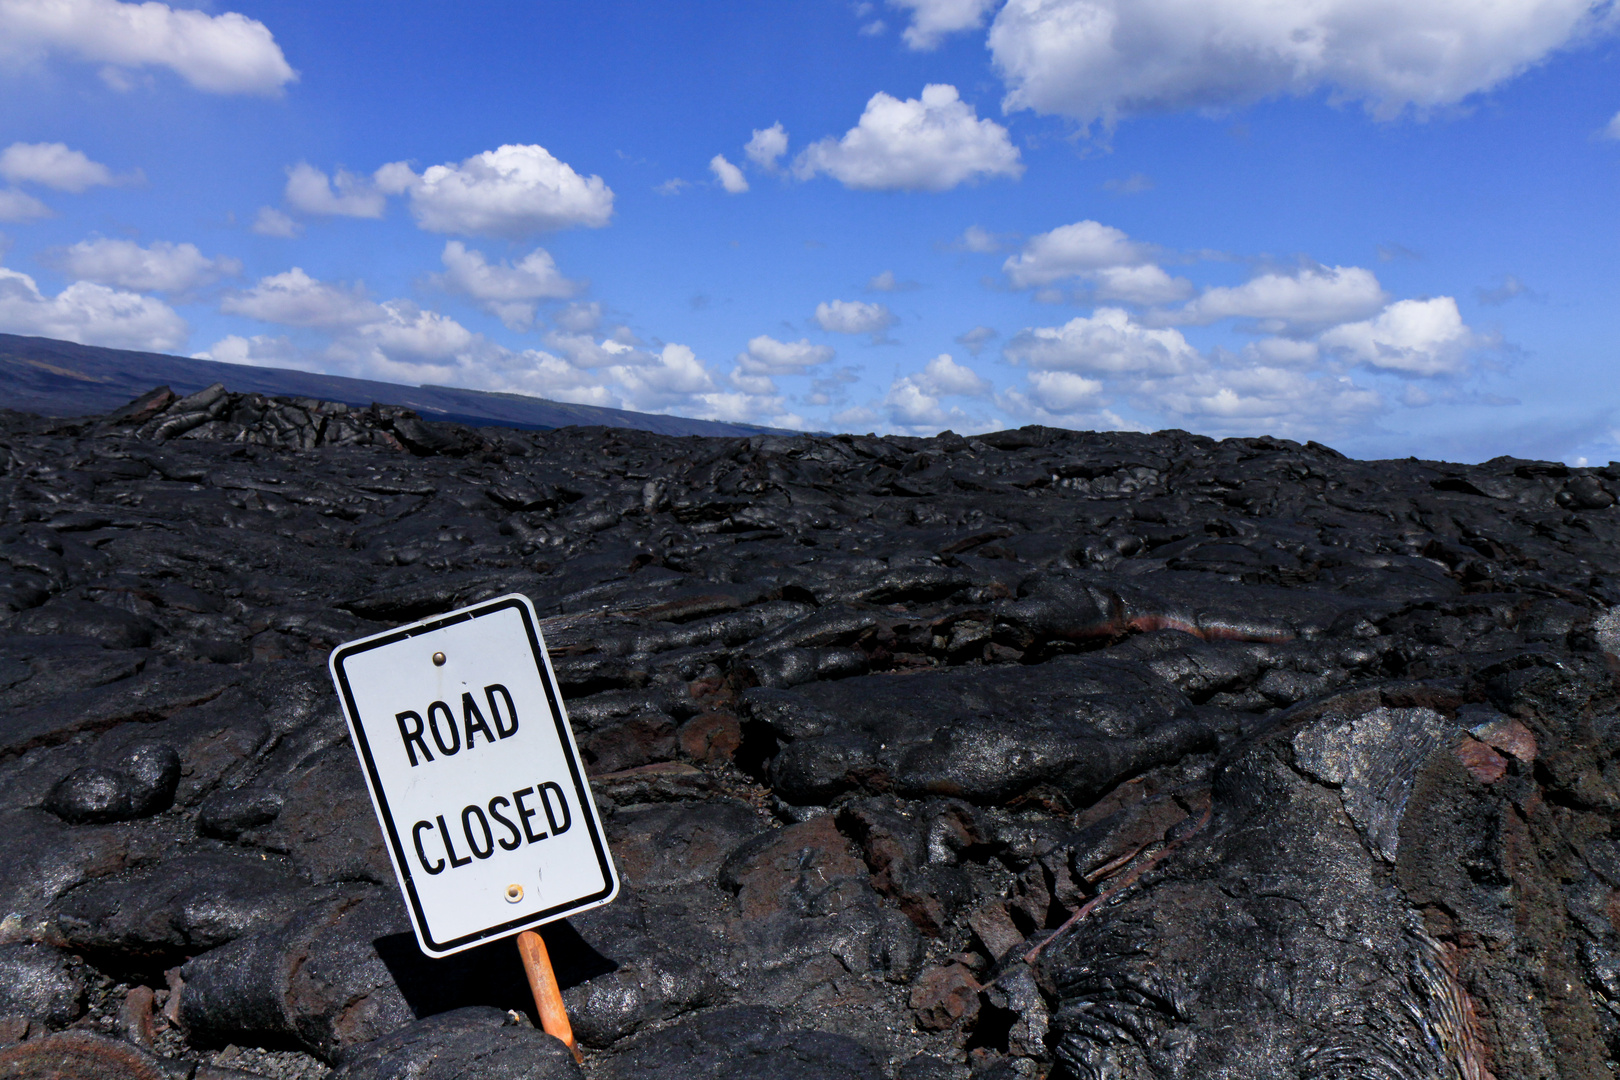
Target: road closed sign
[[474, 774]]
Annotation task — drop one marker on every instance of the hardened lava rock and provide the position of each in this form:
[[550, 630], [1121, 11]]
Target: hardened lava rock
[[1034, 754]]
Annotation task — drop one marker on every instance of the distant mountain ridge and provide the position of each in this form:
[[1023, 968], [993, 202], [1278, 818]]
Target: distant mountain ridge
[[63, 378]]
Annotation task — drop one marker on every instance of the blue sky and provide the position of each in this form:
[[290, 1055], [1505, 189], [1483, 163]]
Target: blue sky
[[1388, 226]]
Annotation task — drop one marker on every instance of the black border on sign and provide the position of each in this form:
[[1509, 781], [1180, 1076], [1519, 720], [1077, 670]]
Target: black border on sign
[[401, 861]]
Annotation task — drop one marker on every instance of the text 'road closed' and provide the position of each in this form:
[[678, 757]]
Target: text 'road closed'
[[478, 786], [505, 822]]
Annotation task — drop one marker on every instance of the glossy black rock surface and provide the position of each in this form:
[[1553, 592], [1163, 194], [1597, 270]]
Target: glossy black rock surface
[[1324, 749]]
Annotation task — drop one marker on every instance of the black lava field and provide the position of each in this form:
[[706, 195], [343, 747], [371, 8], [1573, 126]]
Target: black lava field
[[1038, 753]]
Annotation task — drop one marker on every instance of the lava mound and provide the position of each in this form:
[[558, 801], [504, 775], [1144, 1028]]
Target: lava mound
[[1040, 753]]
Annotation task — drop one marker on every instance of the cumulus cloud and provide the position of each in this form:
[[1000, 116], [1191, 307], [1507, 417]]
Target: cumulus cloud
[[975, 339], [887, 282], [1410, 337], [509, 292], [19, 206], [1063, 392], [767, 146], [1099, 60], [729, 176], [767, 356], [982, 241], [403, 329], [1274, 386], [1134, 184], [296, 299], [943, 376], [854, 317], [1076, 250], [90, 314], [256, 351], [665, 379], [932, 20], [272, 222], [579, 318], [1148, 284], [400, 341], [161, 267], [1109, 341], [1256, 399], [1282, 352], [1306, 300], [912, 408], [510, 192], [1116, 267], [53, 165], [931, 143], [1498, 295], [913, 402], [311, 191], [222, 54]]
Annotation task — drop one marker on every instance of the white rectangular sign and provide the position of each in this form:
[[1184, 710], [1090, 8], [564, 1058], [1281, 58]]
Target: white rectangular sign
[[474, 774]]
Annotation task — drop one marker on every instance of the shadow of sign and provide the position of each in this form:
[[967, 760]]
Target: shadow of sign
[[490, 974]]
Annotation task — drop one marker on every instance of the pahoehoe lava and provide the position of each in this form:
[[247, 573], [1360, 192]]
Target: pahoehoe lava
[[1036, 753]]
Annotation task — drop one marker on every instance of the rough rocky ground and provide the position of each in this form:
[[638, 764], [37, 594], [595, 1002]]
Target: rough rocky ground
[[1038, 753]]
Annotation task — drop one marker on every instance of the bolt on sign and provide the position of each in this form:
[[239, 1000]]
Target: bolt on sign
[[474, 774]]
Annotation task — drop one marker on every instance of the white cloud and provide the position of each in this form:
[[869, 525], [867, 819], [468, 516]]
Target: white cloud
[[509, 292], [296, 299], [582, 350], [579, 318], [975, 339], [767, 146], [663, 379], [310, 191], [1411, 337], [405, 331], [887, 282], [162, 267], [1064, 392], [1098, 60], [943, 376], [767, 356], [399, 341], [272, 222], [1613, 130], [53, 165], [1260, 400], [854, 317], [89, 314], [222, 54], [730, 177], [857, 417], [1077, 250], [1118, 268], [931, 20], [19, 206], [256, 351], [1147, 284], [983, 242], [1511, 287], [1134, 184], [913, 401], [1109, 341], [932, 143], [913, 408], [1309, 299], [1282, 352], [511, 192]]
